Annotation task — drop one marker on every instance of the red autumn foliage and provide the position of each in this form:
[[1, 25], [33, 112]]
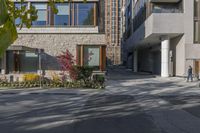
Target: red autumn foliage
[[67, 62]]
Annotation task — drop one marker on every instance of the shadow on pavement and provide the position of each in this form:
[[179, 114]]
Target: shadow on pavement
[[98, 114]]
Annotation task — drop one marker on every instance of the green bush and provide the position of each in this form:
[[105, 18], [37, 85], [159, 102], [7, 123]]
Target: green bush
[[84, 81], [84, 73], [99, 78]]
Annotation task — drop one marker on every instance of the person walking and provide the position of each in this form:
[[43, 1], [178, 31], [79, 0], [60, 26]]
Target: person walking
[[189, 76]]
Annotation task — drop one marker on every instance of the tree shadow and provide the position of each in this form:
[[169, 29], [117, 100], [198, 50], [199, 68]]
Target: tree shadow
[[121, 108], [75, 114]]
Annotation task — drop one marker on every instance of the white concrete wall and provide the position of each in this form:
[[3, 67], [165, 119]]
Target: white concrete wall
[[167, 23], [192, 51], [178, 47], [158, 24]]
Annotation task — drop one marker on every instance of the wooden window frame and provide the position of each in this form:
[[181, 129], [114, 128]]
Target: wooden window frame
[[80, 53], [75, 13]]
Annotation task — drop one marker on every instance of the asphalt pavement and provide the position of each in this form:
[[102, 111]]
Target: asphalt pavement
[[131, 103]]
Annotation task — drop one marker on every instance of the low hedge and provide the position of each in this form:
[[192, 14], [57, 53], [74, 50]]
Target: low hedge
[[33, 84]]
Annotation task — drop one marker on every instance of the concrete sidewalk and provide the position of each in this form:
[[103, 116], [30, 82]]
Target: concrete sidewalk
[[124, 80]]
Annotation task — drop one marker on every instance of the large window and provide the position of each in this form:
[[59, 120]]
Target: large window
[[84, 14], [42, 14], [18, 6], [22, 61], [94, 56], [196, 21], [69, 14], [62, 17]]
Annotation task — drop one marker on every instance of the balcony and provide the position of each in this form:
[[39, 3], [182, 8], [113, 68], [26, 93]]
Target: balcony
[[155, 26], [167, 23]]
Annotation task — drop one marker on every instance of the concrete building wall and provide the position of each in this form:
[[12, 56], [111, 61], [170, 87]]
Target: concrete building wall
[[178, 53], [158, 24], [189, 21], [192, 51]]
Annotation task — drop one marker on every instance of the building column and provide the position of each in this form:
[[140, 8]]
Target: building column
[[135, 61], [165, 46], [3, 70]]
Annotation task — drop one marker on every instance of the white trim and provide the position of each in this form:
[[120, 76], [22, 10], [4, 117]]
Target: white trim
[[59, 30], [48, 0]]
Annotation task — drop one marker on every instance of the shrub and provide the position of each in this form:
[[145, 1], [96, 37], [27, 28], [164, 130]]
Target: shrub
[[31, 77], [84, 73], [56, 78], [99, 81], [99, 78], [67, 62]]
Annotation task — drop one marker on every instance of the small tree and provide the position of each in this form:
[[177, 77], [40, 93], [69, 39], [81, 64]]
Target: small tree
[[67, 62], [84, 73]]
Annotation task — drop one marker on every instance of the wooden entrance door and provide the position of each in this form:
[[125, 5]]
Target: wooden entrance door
[[197, 68]]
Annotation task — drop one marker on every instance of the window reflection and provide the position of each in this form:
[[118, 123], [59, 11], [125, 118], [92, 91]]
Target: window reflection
[[69, 14], [42, 14], [18, 7], [84, 14], [22, 61], [62, 17], [91, 55]]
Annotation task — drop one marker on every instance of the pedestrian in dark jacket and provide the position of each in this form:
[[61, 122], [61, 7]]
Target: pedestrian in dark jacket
[[189, 76]]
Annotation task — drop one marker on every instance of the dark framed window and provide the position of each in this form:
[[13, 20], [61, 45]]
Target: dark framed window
[[92, 55], [22, 62]]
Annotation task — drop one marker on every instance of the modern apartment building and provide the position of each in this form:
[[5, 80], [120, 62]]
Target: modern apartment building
[[163, 36], [78, 27], [113, 31], [123, 27]]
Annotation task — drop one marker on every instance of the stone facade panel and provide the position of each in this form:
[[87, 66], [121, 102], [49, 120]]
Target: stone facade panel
[[55, 44]]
